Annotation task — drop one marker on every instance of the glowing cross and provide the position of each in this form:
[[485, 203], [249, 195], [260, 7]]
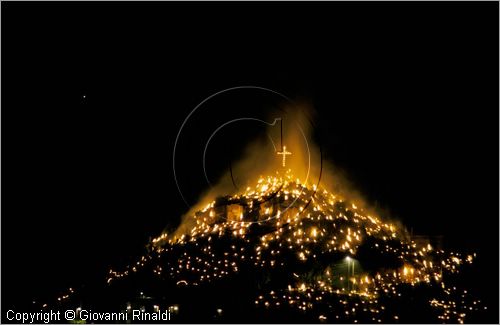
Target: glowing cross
[[284, 153]]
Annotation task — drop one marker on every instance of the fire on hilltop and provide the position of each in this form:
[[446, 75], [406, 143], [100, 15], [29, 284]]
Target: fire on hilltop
[[304, 251], [321, 241]]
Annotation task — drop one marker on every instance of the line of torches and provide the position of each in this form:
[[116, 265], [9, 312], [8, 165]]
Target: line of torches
[[326, 225]]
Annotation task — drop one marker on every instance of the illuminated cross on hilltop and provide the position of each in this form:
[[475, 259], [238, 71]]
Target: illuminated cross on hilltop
[[284, 153]]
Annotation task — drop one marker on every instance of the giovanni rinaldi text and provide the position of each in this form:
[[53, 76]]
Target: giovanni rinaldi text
[[86, 315]]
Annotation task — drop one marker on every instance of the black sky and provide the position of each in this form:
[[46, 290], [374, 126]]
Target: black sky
[[406, 94]]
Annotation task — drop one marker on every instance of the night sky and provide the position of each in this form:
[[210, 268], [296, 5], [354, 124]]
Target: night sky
[[94, 94]]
